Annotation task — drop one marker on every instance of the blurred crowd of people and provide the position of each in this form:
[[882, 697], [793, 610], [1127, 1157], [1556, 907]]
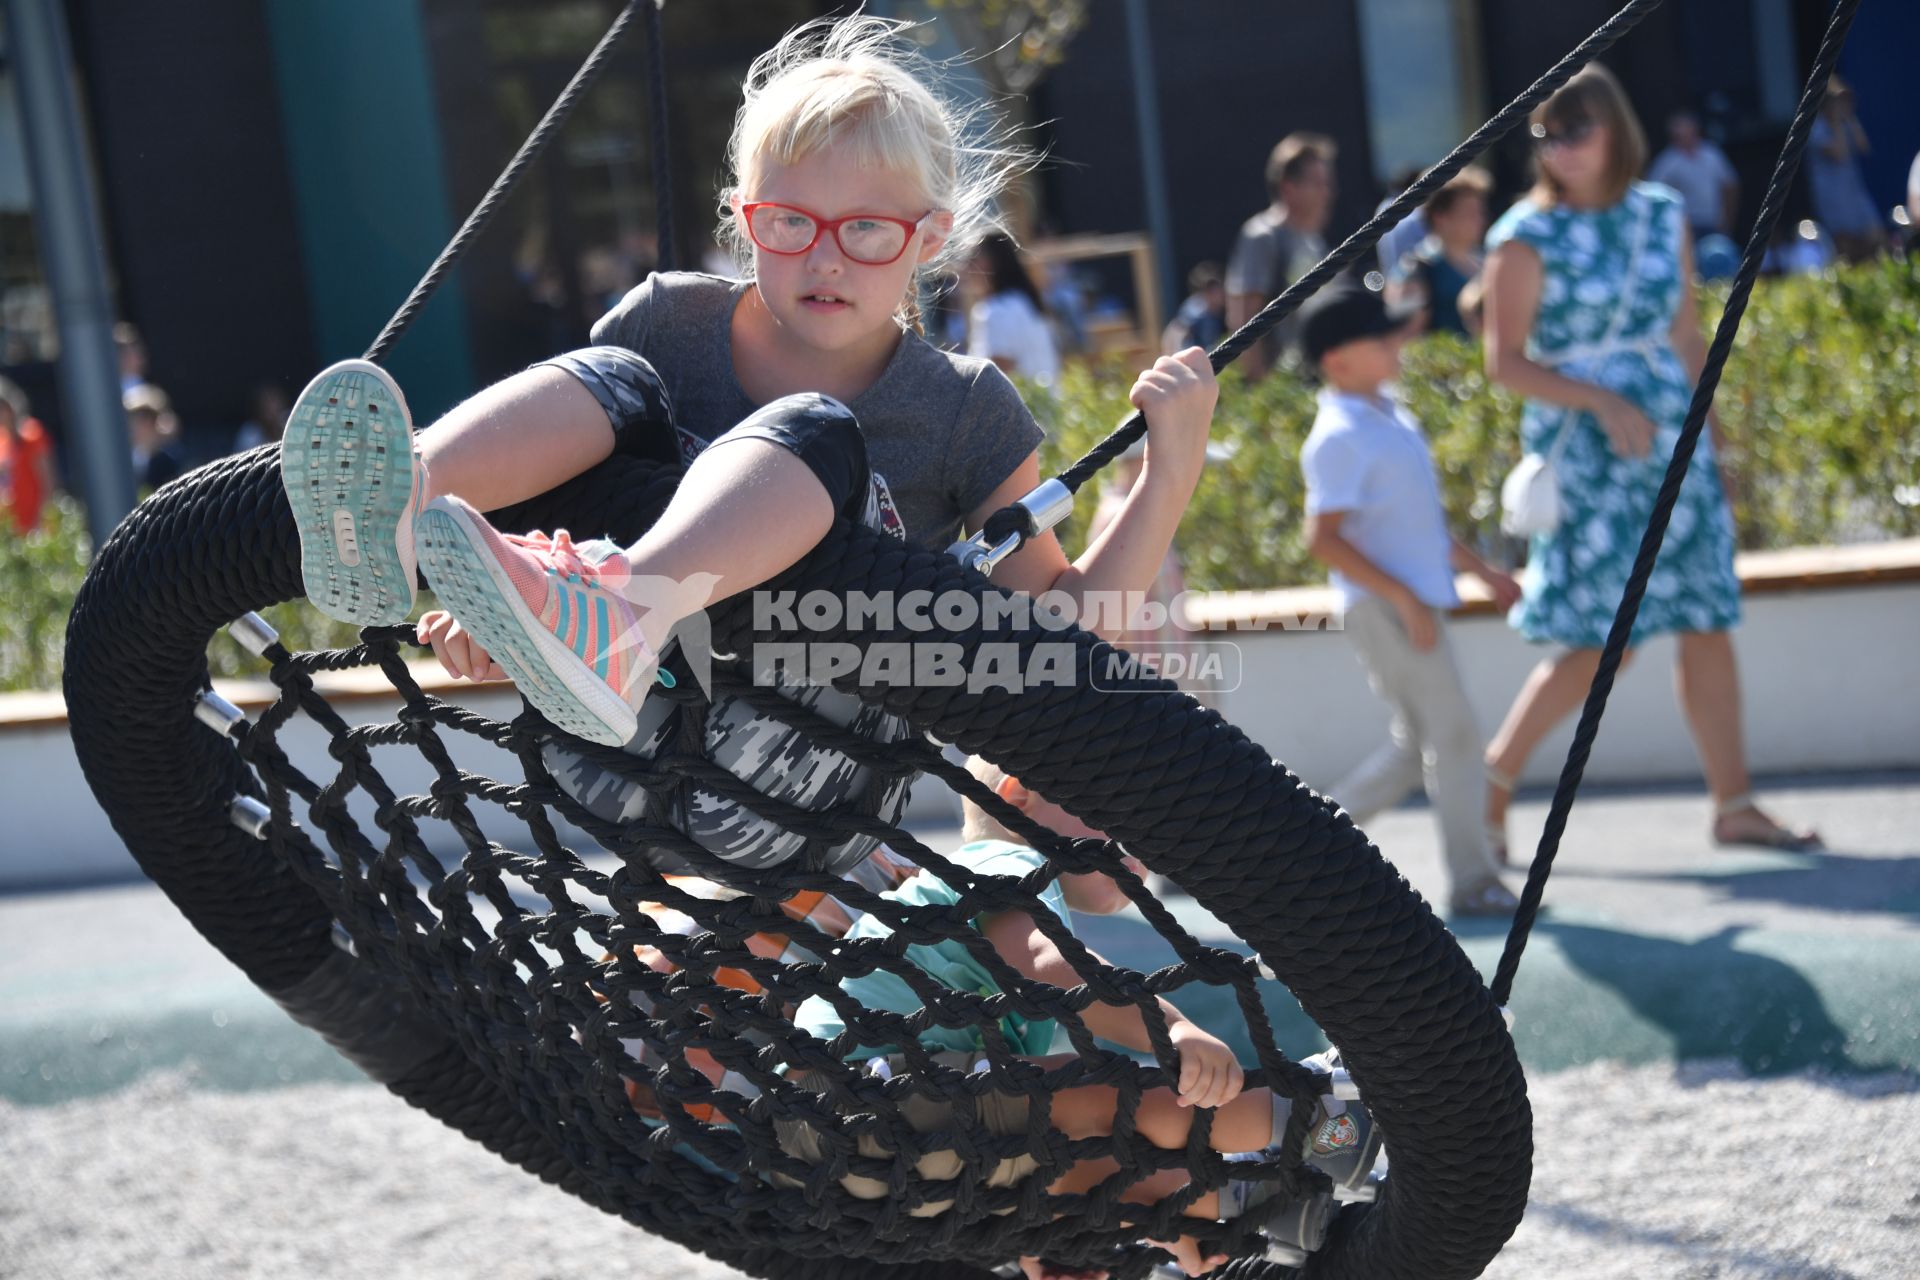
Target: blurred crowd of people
[[1433, 257], [1007, 308], [1027, 320], [157, 446]]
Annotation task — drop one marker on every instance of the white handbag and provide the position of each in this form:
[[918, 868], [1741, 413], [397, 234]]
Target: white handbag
[[1530, 495]]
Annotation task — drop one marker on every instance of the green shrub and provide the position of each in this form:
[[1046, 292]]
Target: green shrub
[[39, 576], [41, 573], [1818, 400]]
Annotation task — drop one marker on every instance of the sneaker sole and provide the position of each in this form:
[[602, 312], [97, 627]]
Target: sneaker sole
[[473, 586], [347, 462]]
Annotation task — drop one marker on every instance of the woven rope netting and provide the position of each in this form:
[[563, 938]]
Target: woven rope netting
[[629, 1036]]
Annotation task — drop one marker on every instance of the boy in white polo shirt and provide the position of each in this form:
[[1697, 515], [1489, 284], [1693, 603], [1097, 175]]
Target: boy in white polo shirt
[[1374, 519]]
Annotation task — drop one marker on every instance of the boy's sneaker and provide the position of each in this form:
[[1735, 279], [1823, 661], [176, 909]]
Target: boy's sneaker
[[354, 482], [1343, 1142], [553, 619], [1297, 1227], [1294, 1226]]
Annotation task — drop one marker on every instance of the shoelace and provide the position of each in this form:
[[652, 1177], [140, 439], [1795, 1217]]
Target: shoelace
[[563, 556], [560, 552]]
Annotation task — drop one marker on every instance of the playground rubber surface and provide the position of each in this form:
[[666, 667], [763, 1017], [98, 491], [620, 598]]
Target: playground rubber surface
[[1721, 1046], [1655, 946]]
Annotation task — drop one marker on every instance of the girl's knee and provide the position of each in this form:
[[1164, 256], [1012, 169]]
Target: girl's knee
[[631, 393], [801, 417], [823, 433]]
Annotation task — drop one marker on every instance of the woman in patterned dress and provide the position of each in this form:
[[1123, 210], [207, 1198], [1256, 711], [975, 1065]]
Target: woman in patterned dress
[[1590, 315]]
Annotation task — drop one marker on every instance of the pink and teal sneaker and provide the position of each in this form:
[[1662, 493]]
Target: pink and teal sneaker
[[553, 619], [354, 483]]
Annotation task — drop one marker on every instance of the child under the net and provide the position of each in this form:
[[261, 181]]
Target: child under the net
[[1340, 1139]]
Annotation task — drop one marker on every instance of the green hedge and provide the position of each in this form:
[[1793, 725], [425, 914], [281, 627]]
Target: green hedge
[[1819, 399], [41, 573]]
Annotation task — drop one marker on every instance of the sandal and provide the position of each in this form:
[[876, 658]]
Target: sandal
[[1775, 837]]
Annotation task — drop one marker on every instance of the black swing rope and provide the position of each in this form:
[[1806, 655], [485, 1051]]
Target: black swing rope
[[512, 1033], [550, 124], [1017, 521], [662, 137]]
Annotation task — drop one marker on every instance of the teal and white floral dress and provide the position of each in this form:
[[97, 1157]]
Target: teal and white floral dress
[[1576, 575]]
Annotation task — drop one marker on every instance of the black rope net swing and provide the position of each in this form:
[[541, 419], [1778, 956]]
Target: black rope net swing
[[533, 1000]]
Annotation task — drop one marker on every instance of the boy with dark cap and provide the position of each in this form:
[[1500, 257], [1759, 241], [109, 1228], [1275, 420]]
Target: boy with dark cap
[[1374, 519]]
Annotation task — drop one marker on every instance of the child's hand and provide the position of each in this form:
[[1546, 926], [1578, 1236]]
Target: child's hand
[[1504, 586], [1210, 1076], [1422, 632], [455, 647], [1187, 1256], [1040, 1269], [1177, 396]]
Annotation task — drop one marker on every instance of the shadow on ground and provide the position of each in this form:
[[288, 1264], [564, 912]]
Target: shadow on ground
[[1590, 992], [1713, 999], [1825, 881]]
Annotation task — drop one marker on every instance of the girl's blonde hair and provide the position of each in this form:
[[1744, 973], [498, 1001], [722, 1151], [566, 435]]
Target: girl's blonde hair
[[858, 82]]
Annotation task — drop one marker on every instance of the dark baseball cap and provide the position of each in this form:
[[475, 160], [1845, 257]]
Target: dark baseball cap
[[1347, 313]]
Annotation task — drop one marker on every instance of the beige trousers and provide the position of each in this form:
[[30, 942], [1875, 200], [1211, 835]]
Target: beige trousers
[[1433, 740]]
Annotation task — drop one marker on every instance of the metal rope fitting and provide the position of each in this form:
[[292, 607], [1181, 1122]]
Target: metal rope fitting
[[250, 815], [253, 633], [1046, 507], [217, 713]]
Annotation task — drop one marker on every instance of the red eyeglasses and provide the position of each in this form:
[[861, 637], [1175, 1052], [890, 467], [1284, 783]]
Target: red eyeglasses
[[870, 238]]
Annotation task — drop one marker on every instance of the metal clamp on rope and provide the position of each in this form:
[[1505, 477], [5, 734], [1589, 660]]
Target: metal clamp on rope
[[253, 633], [215, 712], [1046, 507], [250, 815], [1366, 1193], [1342, 1086]]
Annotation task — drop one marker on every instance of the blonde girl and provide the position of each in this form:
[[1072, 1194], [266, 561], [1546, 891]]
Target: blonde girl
[[795, 394]]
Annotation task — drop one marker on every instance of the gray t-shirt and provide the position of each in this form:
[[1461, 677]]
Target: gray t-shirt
[[942, 431], [1268, 256]]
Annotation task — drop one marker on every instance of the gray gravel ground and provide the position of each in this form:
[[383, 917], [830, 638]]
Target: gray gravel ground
[[1640, 1172]]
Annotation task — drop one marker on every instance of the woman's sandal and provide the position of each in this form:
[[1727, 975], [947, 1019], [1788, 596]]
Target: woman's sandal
[[1774, 837]]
